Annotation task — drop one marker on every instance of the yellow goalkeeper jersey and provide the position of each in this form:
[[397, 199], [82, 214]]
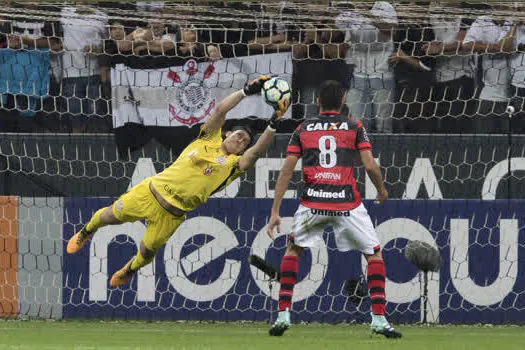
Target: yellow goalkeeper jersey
[[200, 170]]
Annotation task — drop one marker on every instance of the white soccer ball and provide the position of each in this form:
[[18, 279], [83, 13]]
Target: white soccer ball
[[510, 109], [274, 90]]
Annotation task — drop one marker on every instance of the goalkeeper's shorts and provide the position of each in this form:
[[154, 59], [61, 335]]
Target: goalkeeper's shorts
[[139, 203]]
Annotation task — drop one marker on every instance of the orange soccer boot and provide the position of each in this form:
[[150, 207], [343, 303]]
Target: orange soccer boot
[[78, 240], [122, 276]]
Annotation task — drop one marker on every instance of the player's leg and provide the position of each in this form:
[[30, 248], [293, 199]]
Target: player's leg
[[376, 285], [289, 269], [131, 206], [143, 257], [356, 231], [307, 231], [101, 218], [160, 227]]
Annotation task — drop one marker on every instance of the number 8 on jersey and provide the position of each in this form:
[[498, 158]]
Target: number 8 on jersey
[[329, 145]]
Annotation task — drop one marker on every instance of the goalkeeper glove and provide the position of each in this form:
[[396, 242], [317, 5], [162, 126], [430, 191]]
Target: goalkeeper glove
[[280, 109], [255, 86]]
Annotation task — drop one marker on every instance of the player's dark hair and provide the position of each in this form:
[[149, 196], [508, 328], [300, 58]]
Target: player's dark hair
[[330, 95]]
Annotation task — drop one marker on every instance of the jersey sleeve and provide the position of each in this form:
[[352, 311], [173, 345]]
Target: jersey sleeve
[[210, 135], [362, 141], [235, 173], [294, 146]]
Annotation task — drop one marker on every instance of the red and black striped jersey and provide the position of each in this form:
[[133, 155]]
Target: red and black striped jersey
[[329, 145]]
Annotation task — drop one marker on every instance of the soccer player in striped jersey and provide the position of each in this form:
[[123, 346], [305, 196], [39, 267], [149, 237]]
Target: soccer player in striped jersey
[[329, 145], [207, 165]]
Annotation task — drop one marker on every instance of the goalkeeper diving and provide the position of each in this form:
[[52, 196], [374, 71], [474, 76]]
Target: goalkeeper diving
[[207, 165]]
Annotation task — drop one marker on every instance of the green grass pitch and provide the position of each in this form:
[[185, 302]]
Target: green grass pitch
[[86, 335]]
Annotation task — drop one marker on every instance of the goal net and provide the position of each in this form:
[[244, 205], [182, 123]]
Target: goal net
[[97, 97]]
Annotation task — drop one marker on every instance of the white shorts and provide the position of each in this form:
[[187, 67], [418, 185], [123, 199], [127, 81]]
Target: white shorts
[[353, 229]]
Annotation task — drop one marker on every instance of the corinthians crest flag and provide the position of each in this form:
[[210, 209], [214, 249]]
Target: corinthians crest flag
[[186, 95]]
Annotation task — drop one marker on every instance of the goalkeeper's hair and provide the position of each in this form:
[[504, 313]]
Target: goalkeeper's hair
[[243, 127], [330, 95]]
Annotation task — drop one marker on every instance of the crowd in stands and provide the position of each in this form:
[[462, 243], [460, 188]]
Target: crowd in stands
[[407, 67]]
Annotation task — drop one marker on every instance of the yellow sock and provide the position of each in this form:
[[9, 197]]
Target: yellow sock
[[94, 224], [140, 261]]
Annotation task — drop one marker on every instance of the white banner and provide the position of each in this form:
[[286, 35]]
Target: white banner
[[186, 95]]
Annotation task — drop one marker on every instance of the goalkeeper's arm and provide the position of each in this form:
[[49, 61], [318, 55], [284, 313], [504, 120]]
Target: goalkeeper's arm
[[255, 152], [217, 118]]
